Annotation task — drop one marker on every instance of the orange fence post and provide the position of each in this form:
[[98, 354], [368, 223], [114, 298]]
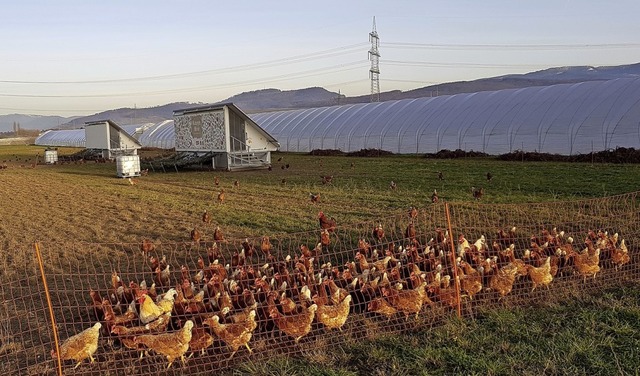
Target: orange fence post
[[53, 319], [453, 259]]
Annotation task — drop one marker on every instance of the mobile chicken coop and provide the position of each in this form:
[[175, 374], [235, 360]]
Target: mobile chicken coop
[[224, 135], [112, 142]]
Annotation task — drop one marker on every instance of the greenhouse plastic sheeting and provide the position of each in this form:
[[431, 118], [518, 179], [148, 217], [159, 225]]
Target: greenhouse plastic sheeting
[[563, 119], [67, 137], [160, 135]]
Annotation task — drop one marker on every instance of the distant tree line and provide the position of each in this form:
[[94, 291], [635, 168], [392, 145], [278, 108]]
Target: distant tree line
[[19, 132]]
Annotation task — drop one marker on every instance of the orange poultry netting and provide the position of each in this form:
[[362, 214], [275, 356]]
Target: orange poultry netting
[[194, 307]]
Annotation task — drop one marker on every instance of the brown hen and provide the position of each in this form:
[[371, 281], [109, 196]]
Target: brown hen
[[234, 334], [620, 255], [297, 325], [444, 293], [470, 280], [410, 232], [503, 279], [126, 336], [147, 246], [382, 307], [195, 235], [325, 239], [200, 341], [540, 276], [326, 223], [111, 319], [378, 232], [407, 301], [265, 246], [334, 316], [206, 218], [172, 345], [80, 346], [587, 262], [218, 235]]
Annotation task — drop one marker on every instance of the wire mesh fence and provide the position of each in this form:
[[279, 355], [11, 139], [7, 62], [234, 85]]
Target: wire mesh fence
[[194, 307]]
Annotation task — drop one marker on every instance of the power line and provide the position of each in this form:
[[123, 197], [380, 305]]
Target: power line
[[49, 110], [288, 76], [345, 83], [343, 50], [338, 51], [413, 81], [310, 73], [510, 46], [446, 65]]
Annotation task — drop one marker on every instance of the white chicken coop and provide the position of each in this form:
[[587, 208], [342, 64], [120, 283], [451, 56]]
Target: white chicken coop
[[114, 142], [107, 137], [224, 135]]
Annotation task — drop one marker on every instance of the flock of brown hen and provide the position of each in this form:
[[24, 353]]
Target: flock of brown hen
[[229, 299]]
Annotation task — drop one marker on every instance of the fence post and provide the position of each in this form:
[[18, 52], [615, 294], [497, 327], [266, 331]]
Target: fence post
[[53, 319], [456, 282]]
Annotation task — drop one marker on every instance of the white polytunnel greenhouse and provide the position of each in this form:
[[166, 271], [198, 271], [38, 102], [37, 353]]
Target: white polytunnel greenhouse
[[67, 137], [160, 135], [564, 119]]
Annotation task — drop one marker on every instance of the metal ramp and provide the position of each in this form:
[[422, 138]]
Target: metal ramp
[[248, 160]]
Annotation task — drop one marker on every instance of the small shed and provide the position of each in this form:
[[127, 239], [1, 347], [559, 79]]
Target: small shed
[[225, 134], [110, 139]]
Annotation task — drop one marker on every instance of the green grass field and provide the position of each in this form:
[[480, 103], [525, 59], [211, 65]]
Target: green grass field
[[587, 335], [168, 205], [577, 335]]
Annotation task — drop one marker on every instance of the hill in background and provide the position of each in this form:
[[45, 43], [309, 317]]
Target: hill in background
[[31, 122], [126, 116], [546, 77], [274, 99], [277, 100]]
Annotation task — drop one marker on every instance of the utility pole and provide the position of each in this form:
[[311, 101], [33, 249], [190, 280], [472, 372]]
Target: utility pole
[[374, 56]]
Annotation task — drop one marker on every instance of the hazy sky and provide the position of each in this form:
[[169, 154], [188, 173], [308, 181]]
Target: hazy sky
[[79, 57]]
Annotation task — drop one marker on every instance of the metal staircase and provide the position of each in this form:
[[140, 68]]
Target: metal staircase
[[243, 157]]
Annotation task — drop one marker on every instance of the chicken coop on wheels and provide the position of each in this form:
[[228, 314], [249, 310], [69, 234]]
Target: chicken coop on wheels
[[224, 135], [112, 142]]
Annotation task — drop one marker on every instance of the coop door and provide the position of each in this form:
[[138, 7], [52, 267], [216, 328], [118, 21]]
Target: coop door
[[237, 132]]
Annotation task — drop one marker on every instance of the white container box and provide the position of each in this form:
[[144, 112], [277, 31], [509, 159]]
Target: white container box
[[50, 156], [128, 166]]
